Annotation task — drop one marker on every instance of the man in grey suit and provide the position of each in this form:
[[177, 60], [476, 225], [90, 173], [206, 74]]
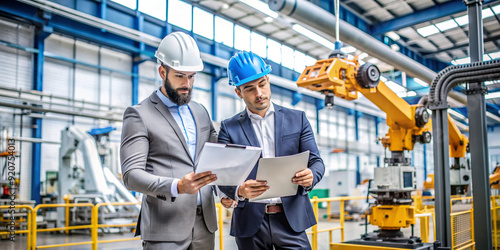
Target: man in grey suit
[[162, 138]]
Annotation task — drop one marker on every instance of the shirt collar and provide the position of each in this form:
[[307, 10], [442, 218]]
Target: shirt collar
[[166, 100], [269, 111]]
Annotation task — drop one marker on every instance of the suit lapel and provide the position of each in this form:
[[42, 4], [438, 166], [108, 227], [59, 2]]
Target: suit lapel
[[160, 106], [246, 126], [278, 129]]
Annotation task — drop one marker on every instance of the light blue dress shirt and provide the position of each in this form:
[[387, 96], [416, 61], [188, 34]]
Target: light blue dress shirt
[[184, 119]]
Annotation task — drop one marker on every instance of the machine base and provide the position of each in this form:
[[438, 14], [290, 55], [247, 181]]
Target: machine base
[[371, 245]]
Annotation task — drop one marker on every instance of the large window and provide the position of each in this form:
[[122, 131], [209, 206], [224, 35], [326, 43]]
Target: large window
[[259, 44], [287, 57], [241, 38], [224, 31], [154, 8], [127, 3], [273, 51], [203, 23], [179, 14], [300, 61]]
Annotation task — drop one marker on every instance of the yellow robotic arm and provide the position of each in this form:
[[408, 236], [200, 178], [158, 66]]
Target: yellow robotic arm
[[344, 78]]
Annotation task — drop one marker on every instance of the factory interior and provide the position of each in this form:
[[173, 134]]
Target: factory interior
[[403, 99]]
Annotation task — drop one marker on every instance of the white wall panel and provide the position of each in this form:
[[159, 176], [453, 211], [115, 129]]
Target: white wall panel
[[121, 90], [58, 78]]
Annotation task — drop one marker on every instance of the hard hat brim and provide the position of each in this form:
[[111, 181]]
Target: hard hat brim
[[255, 77], [198, 67]]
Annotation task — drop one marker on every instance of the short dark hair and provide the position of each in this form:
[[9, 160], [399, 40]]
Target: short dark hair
[[167, 68]]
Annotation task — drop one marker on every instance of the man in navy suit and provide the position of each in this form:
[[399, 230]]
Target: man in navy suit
[[279, 222]]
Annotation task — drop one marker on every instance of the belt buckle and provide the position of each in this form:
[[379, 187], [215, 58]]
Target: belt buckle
[[268, 205]]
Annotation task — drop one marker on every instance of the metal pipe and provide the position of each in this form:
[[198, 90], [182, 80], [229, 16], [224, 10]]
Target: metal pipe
[[323, 21]]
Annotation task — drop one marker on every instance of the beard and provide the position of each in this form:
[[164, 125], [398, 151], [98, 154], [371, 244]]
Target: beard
[[173, 94]]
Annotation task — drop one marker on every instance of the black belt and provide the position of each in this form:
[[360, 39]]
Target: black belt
[[199, 209]]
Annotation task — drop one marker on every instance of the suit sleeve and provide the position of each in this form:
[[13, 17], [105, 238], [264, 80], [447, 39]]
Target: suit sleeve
[[307, 142], [229, 191], [134, 153]]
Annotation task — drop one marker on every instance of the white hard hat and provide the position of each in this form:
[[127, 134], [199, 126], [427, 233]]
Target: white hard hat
[[179, 51]]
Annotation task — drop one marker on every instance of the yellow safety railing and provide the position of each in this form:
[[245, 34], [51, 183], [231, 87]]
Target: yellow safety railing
[[422, 212], [28, 230], [95, 223], [35, 230], [462, 239], [314, 230], [94, 226], [495, 215]]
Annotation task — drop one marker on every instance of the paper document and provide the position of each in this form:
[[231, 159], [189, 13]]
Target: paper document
[[231, 163], [278, 172]]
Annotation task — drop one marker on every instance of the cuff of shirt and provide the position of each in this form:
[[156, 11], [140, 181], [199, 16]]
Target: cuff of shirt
[[173, 188], [307, 189], [237, 196]]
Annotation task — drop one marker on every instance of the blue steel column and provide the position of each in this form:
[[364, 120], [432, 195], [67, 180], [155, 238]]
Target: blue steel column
[[36, 132], [357, 115], [135, 82], [139, 23]]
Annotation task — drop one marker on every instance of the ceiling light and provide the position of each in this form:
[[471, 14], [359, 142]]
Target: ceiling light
[[492, 116], [463, 60], [395, 47], [491, 82], [348, 49], [313, 36], [463, 20], [393, 35], [395, 87], [411, 93], [492, 95], [225, 6], [421, 82], [428, 30], [496, 9], [487, 13], [268, 19], [494, 55], [446, 25], [260, 6], [456, 114], [373, 60]]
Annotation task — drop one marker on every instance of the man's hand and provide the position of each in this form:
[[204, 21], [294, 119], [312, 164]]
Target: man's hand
[[303, 178], [252, 188], [228, 202], [191, 183]]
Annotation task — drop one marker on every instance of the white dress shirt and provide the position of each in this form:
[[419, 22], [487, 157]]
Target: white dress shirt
[[264, 130]]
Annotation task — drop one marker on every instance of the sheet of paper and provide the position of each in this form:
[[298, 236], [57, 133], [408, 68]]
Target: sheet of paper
[[278, 172], [232, 165]]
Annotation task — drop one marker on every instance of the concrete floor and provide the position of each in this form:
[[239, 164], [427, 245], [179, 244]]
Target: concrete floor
[[353, 230]]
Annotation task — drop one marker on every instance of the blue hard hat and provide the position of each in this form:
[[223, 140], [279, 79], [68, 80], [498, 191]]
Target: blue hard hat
[[246, 66]]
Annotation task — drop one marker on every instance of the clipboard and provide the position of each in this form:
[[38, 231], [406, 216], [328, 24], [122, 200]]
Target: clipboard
[[232, 163], [278, 172]]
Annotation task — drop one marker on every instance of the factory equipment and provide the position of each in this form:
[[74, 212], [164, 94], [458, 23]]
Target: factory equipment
[[343, 77], [82, 175]]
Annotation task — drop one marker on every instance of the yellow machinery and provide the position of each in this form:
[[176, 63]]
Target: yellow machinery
[[408, 124]]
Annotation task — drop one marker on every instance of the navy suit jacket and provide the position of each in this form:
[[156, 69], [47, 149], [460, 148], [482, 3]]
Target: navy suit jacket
[[293, 134]]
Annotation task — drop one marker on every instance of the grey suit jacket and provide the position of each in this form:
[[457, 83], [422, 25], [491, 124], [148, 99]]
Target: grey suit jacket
[[154, 152]]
